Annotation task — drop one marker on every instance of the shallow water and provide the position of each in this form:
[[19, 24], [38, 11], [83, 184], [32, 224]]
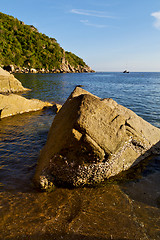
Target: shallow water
[[126, 208]]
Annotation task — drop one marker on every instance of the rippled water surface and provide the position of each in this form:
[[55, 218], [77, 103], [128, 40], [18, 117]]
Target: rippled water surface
[[118, 209]]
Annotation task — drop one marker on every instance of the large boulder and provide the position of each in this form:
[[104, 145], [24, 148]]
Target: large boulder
[[92, 139], [9, 84], [13, 104]]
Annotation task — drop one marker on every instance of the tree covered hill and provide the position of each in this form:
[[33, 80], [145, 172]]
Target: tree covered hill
[[24, 47]]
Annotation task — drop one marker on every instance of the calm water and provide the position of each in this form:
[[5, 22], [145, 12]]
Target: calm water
[[137, 91], [128, 209]]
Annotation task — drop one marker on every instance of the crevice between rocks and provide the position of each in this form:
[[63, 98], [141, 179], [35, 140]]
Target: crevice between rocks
[[115, 118], [1, 113]]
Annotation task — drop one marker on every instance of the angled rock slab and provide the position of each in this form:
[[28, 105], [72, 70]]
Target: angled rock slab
[[92, 139], [9, 84], [14, 104]]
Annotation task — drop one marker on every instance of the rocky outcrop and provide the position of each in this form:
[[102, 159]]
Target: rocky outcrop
[[67, 68], [9, 68], [32, 70], [14, 104], [92, 139], [9, 84], [64, 68]]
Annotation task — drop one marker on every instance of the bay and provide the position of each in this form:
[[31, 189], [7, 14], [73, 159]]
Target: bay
[[120, 209], [138, 91]]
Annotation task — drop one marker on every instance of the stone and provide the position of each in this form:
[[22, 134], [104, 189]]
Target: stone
[[13, 104], [9, 84], [92, 139], [9, 68], [56, 107], [32, 70]]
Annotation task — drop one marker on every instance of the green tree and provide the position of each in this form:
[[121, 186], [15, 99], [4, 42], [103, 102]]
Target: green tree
[[22, 44]]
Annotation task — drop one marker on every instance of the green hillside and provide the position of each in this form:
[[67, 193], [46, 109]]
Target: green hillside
[[22, 45]]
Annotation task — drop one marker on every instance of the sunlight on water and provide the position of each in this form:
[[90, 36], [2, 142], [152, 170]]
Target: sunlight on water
[[126, 209]]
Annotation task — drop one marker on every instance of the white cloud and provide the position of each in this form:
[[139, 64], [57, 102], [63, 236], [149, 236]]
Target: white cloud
[[156, 15], [92, 13], [87, 23]]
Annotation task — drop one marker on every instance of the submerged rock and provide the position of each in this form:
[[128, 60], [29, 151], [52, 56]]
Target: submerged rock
[[9, 84], [14, 104], [92, 139]]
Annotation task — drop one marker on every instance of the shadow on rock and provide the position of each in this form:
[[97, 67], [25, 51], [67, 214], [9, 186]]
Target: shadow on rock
[[64, 236]]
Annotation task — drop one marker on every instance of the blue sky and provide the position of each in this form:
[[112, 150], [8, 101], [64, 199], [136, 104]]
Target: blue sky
[[110, 35]]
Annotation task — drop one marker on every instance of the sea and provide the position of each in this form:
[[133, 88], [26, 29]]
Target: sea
[[127, 207]]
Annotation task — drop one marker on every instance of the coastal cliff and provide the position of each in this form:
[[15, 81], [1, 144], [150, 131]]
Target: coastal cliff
[[24, 49]]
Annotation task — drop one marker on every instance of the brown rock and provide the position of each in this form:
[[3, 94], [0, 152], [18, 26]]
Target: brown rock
[[9, 84], [92, 139], [14, 104], [57, 107]]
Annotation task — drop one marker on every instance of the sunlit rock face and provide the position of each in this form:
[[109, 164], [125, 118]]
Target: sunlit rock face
[[13, 104], [9, 84], [92, 139]]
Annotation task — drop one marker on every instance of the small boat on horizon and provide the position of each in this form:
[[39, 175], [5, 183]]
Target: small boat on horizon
[[125, 71]]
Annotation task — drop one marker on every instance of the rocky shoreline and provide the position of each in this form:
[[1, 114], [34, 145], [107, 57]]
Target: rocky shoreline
[[9, 84], [64, 68], [11, 103], [90, 139]]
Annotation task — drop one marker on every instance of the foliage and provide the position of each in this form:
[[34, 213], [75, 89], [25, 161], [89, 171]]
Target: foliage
[[22, 45], [74, 60]]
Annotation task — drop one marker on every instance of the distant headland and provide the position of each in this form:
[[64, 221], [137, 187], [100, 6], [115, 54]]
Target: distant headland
[[25, 50]]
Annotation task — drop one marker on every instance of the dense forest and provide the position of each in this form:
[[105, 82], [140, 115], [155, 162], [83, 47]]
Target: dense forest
[[23, 46]]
